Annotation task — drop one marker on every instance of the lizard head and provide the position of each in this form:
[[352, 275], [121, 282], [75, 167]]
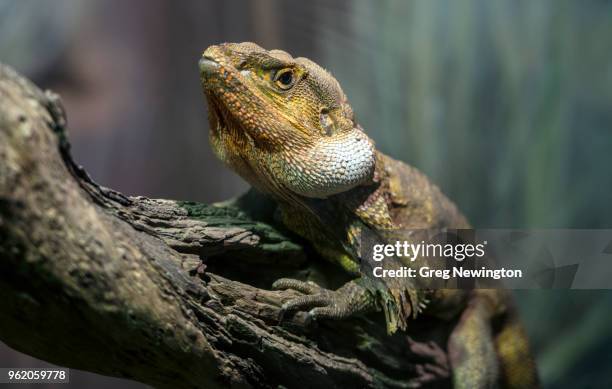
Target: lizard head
[[283, 123]]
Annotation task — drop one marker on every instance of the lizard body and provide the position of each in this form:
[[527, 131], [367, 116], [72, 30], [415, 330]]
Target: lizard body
[[285, 125]]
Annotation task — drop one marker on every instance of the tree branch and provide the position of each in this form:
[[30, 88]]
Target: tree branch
[[95, 280]]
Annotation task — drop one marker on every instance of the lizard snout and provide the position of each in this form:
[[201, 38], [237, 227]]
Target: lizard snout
[[207, 66], [209, 63]]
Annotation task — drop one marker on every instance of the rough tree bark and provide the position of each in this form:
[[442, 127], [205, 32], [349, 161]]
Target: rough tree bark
[[95, 280]]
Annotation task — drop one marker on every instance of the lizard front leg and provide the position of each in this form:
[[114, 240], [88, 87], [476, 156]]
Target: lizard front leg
[[471, 347], [351, 299]]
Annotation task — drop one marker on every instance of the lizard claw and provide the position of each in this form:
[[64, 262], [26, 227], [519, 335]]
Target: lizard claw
[[315, 296], [324, 303]]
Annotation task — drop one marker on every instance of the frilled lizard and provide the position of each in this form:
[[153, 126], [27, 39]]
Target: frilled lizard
[[285, 125]]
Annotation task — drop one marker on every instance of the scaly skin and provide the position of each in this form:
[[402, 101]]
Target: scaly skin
[[285, 126]]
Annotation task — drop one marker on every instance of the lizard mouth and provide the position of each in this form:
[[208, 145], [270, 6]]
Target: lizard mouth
[[220, 118], [214, 77], [216, 117]]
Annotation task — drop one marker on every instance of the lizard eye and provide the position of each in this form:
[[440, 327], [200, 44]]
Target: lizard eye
[[284, 79]]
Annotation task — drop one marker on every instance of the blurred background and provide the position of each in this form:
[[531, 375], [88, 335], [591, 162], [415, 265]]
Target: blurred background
[[507, 105]]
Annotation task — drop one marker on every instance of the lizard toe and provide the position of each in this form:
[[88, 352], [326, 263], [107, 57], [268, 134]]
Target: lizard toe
[[307, 287], [329, 312], [304, 302]]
